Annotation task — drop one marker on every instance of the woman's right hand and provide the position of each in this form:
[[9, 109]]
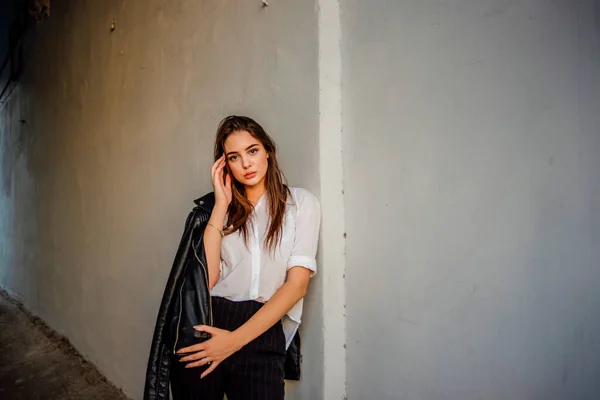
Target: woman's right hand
[[221, 187]]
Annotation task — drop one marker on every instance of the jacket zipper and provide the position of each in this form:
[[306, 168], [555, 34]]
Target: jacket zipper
[[179, 319], [205, 269]]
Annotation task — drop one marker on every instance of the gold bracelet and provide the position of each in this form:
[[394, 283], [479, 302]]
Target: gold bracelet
[[220, 231]]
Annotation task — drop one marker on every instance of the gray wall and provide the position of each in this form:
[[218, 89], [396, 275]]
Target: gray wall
[[116, 143], [471, 142], [471, 134]]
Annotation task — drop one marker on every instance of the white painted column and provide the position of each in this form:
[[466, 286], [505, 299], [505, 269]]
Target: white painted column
[[332, 200]]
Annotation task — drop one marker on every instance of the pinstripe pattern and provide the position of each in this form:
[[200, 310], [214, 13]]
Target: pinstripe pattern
[[253, 373]]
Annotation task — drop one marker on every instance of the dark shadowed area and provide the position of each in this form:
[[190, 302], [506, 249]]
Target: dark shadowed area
[[36, 363]]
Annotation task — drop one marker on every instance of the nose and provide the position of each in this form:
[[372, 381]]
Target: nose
[[246, 162]]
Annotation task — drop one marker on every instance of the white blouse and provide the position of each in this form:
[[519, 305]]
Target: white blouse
[[255, 273]]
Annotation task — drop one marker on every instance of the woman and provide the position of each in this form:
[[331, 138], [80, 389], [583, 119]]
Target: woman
[[260, 245]]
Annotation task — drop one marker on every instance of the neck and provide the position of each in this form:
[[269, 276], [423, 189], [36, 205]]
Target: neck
[[253, 193]]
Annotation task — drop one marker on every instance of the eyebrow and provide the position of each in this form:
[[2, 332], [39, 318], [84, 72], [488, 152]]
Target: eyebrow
[[247, 148]]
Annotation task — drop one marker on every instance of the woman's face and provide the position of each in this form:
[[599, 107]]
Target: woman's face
[[247, 158]]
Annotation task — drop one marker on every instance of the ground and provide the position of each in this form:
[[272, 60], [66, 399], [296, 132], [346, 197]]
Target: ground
[[38, 364]]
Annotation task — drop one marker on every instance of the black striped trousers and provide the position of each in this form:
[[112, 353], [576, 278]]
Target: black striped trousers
[[253, 373]]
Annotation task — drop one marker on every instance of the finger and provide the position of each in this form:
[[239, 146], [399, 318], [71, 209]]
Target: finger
[[228, 181], [219, 169], [217, 174], [213, 173], [210, 369], [216, 164], [208, 329], [196, 356], [191, 349], [203, 361], [218, 181]]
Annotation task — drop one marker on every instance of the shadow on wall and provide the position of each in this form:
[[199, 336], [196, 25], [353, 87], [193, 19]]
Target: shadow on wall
[[16, 141], [15, 18], [597, 16], [13, 28]]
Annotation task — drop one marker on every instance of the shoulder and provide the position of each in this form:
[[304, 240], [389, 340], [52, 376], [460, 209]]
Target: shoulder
[[303, 198]]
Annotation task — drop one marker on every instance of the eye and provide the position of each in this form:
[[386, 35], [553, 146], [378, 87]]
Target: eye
[[254, 150], [232, 158]]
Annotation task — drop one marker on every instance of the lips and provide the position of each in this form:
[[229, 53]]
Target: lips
[[250, 175]]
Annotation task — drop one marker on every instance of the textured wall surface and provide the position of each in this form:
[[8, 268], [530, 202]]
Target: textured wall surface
[[471, 133], [108, 139], [471, 142]]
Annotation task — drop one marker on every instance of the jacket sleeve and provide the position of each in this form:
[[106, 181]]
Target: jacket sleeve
[[159, 361]]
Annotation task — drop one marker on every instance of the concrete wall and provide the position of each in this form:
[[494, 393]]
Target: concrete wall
[[108, 139], [471, 193], [471, 167]]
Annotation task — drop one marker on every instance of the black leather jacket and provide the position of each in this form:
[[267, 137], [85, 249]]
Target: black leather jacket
[[186, 303]]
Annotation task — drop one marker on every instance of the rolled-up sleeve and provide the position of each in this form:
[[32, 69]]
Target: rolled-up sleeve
[[306, 239]]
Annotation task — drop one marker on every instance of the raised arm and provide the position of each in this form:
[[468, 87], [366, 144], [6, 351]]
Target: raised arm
[[214, 230]]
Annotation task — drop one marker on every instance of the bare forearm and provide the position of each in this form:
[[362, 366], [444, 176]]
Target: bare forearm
[[212, 244], [273, 310]]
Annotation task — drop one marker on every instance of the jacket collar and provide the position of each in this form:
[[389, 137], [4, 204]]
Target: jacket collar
[[206, 202]]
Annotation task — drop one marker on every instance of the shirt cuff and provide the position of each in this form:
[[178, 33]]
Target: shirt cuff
[[309, 263]]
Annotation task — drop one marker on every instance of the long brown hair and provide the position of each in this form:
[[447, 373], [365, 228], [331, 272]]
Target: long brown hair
[[277, 191]]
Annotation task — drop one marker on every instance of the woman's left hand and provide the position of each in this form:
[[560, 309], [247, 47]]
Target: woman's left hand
[[214, 351]]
